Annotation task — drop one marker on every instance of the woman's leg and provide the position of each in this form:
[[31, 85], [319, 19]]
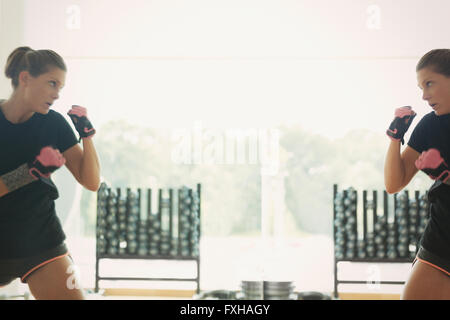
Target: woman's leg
[[56, 281], [426, 283]]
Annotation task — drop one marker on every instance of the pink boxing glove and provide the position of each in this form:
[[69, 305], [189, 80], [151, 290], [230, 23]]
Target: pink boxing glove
[[433, 165]]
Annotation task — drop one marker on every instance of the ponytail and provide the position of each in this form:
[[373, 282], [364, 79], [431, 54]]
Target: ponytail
[[35, 62]]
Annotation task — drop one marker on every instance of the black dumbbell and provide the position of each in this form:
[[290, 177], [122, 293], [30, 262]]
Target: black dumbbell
[[350, 254], [402, 198], [400, 212], [391, 253], [194, 252], [421, 229], [142, 250], [102, 194], [339, 224], [402, 239], [131, 236], [121, 210], [110, 234], [132, 246], [381, 254], [379, 240], [101, 242], [101, 223], [361, 253], [102, 211], [402, 231], [412, 230], [122, 226], [339, 252], [370, 250], [110, 219], [111, 202], [112, 251], [112, 210], [351, 236], [143, 237], [351, 220], [101, 232], [402, 250], [423, 213], [391, 240]]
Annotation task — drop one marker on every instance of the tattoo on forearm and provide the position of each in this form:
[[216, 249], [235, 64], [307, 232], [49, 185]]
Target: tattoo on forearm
[[17, 178]]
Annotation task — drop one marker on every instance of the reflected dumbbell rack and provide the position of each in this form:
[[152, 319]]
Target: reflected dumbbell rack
[[128, 229], [369, 236]]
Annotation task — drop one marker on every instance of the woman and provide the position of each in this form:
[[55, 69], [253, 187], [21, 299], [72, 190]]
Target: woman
[[428, 150], [35, 141]]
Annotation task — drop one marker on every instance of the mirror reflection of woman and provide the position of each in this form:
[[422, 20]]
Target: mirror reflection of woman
[[428, 150]]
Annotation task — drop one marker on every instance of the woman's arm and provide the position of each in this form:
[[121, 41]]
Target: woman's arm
[[84, 164], [48, 160], [399, 169]]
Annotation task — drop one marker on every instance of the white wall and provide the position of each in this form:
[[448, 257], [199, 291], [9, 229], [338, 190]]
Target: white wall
[[11, 36]]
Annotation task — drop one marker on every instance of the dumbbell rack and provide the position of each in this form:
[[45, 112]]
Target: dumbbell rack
[[176, 251], [405, 219]]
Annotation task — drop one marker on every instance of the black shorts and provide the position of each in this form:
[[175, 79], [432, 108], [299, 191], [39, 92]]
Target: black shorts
[[433, 260], [11, 269]]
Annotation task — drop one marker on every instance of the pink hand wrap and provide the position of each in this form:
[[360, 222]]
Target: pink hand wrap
[[404, 111], [433, 164], [51, 157], [78, 111], [46, 162]]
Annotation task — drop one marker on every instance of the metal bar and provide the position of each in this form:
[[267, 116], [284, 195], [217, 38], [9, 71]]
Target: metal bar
[[407, 216], [139, 202], [365, 282], [160, 206], [375, 214], [170, 215], [334, 241], [137, 257], [149, 203], [355, 212], [378, 260], [154, 279], [179, 219], [417, 195], [395, 210], [199, 236], [385, 205], [96, 249], [364, 214]]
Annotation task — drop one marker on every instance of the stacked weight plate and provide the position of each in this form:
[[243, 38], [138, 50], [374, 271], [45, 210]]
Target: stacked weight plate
[[345, 224], [188, 222], [252, 290], [102, 198], [411, 215], [154, 233], [278, 290], [267, 290]]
